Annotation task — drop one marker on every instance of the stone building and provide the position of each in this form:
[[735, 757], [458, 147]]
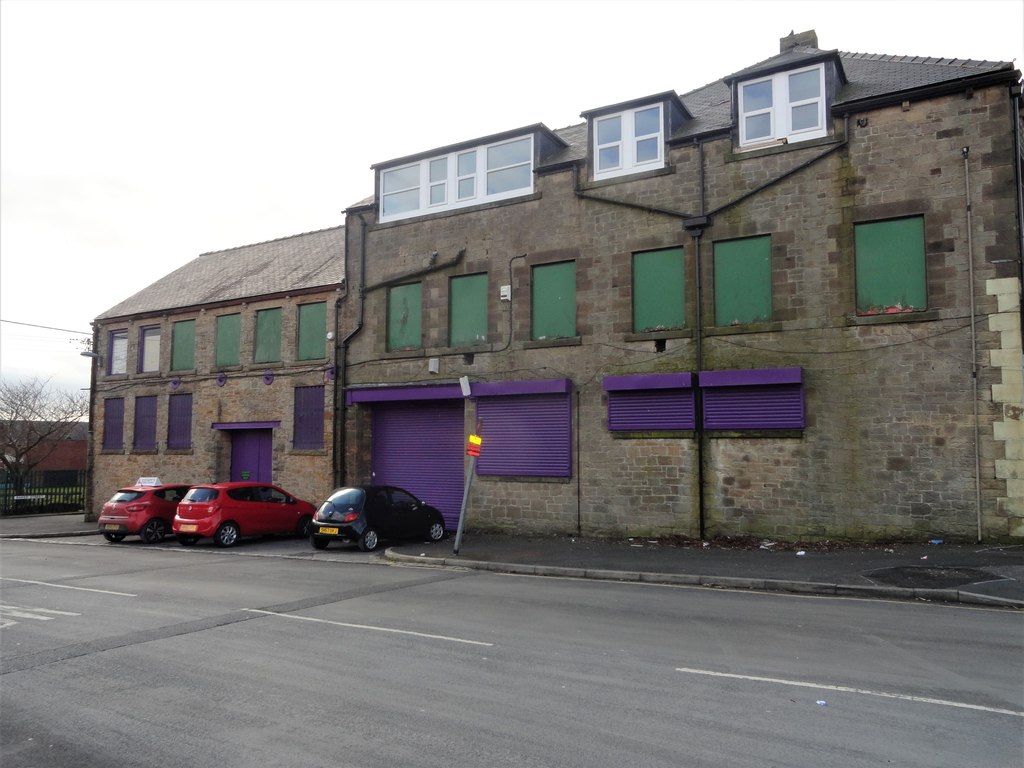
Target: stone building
[[222, 370], [785, 304]]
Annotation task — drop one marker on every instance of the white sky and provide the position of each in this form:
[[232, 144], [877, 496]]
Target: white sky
[[136, 135]]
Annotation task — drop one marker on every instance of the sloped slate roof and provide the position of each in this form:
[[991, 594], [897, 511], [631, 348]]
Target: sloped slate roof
[[310, 260], [867, 76]]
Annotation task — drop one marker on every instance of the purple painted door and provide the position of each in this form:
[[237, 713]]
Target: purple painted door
[[420, 447], [251, 455]]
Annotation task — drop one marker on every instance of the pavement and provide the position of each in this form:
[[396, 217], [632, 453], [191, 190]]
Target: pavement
[[949, 572]]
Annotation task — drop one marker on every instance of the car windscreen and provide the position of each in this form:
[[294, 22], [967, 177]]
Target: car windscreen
[[196, 495], [343, 500], [122, 496]]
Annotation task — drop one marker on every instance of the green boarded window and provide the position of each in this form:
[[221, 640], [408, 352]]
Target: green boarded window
[[313, 331], [743, 281], [658, 290], [553, 301], [468, 311], [890, 266], [405, 308], [268, 336], [183, 345], [229, 334]]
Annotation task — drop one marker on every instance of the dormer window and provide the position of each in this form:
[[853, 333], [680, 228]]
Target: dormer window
[[482, 174], [629, 142], [786, 106]]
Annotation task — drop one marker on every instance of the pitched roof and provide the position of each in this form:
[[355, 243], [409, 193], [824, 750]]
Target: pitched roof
[[868, 76], [309, 260]]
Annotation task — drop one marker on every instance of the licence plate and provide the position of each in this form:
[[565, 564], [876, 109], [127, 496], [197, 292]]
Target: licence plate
[[187, 528], [326, 531], [111, 527]]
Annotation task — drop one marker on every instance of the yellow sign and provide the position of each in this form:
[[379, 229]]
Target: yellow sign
[[476, 439]]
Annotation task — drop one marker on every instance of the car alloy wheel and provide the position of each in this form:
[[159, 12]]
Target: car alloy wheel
[[153, 531], [436, 532], [368, 540], [302, 529], [226, 535]]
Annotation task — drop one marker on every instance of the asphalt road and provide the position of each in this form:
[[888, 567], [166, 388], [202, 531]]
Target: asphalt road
[[270, 655]]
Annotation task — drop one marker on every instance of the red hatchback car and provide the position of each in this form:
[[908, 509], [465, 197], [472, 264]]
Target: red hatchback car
[[146, 510], [228, 511]]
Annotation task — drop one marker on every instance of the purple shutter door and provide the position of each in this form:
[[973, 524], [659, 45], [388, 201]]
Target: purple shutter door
[[420, 447], [251, 455], [526, 435]]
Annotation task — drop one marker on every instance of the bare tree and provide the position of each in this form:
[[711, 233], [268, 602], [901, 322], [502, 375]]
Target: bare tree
[[34, 418]]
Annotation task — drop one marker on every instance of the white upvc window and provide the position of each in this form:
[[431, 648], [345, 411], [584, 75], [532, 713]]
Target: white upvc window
[[483, 174], [786, 105], [629, 142], [149, 353]]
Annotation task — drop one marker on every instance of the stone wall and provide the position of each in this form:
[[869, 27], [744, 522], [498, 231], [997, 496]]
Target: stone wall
[[893, 426]]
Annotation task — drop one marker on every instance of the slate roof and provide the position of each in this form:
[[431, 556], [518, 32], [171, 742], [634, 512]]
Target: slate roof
[[309, 260], [868, 76]]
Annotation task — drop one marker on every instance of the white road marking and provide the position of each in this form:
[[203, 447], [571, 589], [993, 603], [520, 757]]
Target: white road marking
[[847, 689], [32, 613], [370, 628], [65, 586]]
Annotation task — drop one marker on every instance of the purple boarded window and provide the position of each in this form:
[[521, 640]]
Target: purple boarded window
[[309, 418], [179, 421], [113, 424], [528, 434], [771, 398], [650, 402], [145, 424]]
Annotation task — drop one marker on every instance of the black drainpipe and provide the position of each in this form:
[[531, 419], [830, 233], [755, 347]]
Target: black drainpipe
[[342, 364], [1018, 157]]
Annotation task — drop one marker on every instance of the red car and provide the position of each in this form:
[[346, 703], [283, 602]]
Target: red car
[[143, 510], [228, 511]]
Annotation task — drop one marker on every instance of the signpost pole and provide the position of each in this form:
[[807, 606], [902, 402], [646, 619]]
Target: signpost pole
[[473, 451]]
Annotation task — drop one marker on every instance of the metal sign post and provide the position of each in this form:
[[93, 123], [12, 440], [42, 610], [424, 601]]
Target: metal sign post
[[473, 451]]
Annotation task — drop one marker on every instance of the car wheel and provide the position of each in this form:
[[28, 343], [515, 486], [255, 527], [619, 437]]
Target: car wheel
[[302, 529], [186, 541], [436, 531], [153, 531], [226, 535], [368, 540], [319, 542], [113, 538]]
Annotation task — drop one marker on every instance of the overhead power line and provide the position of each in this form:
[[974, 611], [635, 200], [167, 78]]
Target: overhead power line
[[47, 327]]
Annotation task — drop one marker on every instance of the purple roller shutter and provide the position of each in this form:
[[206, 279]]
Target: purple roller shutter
[[179, 421], [145, 423], [420, 446], [653, 409], [526, 435], [756, 399], [309, 418], [113, 424]]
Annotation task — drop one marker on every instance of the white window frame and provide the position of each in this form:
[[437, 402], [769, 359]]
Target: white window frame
[[118, 352], [627, 143], [453, 181], [781, 110], [149, 354]]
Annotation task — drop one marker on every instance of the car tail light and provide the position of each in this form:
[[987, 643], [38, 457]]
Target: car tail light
[[135, 507], [350, 517]]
